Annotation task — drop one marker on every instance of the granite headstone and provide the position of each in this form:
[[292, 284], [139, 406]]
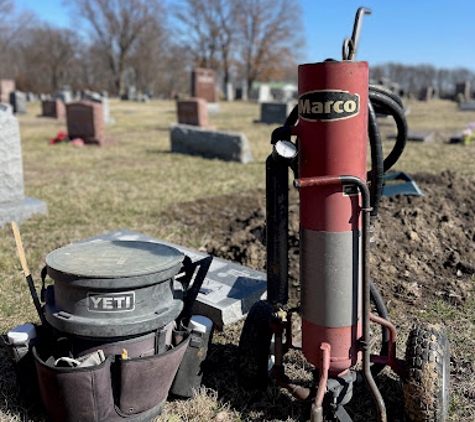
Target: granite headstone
[[18, 102], [53, 108], [85, 120], [203, 84], [7, 86], [192, 111], [14, 206], [275, 112]]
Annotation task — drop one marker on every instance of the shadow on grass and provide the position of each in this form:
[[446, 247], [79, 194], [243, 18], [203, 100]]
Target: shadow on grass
[[275, 404], [206, 157], [20, 402]]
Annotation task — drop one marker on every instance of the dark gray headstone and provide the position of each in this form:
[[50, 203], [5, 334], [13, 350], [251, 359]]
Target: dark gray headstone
[[194, 140], [421, 136], [241, 92], [275, 112], [468, 105], [464, 90], [18, 102], [417, 136]]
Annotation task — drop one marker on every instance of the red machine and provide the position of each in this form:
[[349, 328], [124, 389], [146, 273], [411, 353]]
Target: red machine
[[334, 118]]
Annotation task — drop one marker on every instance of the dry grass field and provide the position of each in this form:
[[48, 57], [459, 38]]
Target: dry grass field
[[92, 190]]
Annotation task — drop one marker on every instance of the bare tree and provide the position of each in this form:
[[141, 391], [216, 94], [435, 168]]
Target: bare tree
[[268, 39], [252, 39], [48, 57], [116, 27], [147, 57], [209, 32], [11, 26]]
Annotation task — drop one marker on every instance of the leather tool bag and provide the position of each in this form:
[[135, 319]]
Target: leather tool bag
[[100, 385]]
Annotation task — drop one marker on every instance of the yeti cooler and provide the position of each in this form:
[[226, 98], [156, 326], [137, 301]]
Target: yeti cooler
[[106, 289]]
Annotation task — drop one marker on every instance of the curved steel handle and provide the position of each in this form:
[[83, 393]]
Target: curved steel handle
[[350, 44]]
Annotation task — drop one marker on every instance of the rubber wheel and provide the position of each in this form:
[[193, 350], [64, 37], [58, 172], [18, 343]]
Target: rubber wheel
[[254, 347], [427, 383]]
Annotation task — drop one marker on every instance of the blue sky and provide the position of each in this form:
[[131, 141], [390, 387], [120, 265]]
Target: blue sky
[[411, 32]]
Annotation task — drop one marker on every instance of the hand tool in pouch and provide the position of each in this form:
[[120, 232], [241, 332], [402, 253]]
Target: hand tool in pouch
[[26, 270]]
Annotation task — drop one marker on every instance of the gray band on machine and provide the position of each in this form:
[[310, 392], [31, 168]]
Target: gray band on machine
[[330, 277]]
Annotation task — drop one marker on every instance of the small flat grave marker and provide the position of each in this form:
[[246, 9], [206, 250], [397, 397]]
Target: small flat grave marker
[[418, 136], [468, 105]]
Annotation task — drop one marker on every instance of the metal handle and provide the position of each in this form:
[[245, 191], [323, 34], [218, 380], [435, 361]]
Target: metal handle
[[350, 44]]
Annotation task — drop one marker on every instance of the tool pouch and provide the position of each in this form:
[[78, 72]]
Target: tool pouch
[[24, 367], [118, 389], [190, 373]]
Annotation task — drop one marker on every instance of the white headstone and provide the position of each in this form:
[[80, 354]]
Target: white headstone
[[11, 168], [229, 92], [6, 108], [14, 206], [264, 94], [104, 100], [65, 96]]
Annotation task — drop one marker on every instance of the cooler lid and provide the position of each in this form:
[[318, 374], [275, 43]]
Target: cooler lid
[[114, 259]]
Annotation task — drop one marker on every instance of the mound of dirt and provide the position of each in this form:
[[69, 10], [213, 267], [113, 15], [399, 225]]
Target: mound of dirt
[[425, 246]]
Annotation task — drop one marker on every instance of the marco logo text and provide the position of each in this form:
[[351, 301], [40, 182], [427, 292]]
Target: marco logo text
[[328, 105]]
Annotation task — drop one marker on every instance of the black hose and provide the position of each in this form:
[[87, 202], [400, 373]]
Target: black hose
[[389, 93], [377, 166], [386, 102], [391, 107], [292, 117]]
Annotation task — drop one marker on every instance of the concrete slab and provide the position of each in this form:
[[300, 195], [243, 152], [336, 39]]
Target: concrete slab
[[19, 211], [229, 290]]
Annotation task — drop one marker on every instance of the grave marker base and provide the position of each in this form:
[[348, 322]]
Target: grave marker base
[[21, 210]]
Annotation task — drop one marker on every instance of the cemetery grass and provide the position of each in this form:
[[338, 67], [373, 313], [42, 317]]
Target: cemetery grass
[[135, 184]]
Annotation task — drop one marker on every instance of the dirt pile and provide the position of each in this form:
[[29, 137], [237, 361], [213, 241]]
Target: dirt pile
[[425, 246]]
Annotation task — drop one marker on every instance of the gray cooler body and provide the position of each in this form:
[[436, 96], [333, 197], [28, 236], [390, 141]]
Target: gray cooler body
[[108, 289]]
